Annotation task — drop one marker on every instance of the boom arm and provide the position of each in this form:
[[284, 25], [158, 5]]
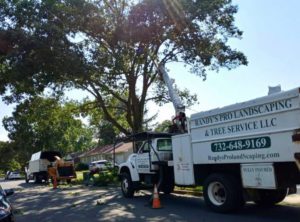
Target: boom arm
[[177, 103]]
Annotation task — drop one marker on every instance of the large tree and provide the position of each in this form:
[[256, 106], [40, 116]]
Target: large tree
[[9, 159], [108, 48], [46, 124]]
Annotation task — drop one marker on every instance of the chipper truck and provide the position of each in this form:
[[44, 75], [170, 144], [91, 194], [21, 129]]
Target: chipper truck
[[248, 151], [44, 165]]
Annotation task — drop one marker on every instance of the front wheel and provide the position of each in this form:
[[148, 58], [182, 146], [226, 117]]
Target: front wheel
[[168, 182], [127, 186], [223, 193]]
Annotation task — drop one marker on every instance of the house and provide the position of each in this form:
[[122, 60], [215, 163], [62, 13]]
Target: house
[[73, 156], [122, 152], [107, 152]]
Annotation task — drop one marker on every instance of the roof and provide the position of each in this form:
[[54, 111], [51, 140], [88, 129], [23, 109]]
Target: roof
[[147, 135], [74, 154], [95, 150], [123, 148], [119, 148]]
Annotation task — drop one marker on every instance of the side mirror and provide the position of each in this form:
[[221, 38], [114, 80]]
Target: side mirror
[[9, 192]]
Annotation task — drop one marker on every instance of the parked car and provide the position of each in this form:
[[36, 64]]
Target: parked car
[[101, 165], [98, 165], [6, 210], [11, 175]]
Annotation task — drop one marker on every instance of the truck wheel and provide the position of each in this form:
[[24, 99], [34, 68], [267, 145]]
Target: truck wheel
[[127, 186], [270, 197], [168, 184], [223, 193], [37, 179]]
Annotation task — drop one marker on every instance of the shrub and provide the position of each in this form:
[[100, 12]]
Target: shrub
[[105, 178]]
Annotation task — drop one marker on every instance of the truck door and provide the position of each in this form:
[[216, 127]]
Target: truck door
[[143, 158]]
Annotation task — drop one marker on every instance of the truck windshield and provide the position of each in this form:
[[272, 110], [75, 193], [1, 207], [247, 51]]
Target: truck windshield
[[164, 145]]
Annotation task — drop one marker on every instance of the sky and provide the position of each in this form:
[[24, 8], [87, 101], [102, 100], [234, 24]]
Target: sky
[[271, 42]]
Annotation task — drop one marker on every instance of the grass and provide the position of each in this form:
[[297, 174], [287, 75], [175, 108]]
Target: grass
[[79, 176], [104, 178], [110, 178], [191, 189]]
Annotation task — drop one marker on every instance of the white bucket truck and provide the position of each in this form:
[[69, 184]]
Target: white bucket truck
[[248, 151]]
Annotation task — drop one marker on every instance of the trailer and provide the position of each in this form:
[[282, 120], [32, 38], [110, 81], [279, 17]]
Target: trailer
[[42, 161]]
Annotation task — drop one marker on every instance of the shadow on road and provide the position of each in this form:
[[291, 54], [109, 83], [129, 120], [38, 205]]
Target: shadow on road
[[35, 202]]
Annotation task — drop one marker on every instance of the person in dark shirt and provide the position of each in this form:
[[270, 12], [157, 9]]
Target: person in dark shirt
[[180, 121]]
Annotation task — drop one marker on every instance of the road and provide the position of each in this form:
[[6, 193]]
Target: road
[[40, 203]]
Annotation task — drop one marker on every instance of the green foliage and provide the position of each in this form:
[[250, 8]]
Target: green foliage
[[106, 178], [107, 48], [79, 177], [45, 124], [105, 131], [164, 126], [8, 157], [14, 165], [81, 167]]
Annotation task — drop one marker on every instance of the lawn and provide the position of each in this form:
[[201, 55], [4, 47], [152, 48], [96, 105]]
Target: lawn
[[104, 178]]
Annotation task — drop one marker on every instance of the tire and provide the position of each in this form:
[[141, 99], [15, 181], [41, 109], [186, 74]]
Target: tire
[[223, 193], [37, 178], [270, 197], [127, 186]]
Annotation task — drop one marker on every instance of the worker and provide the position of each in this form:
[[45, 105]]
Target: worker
[[53, 175], [180, 121]]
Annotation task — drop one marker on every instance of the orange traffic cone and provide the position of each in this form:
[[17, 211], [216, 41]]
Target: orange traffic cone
[[156, 202]]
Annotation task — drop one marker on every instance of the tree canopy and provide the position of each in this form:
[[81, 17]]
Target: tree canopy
[[108, 48], [9, 159], [46, 124]]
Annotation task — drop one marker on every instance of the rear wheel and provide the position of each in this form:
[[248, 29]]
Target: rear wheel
[[127, 185], [37, 178], [270, 197], [223, 193]]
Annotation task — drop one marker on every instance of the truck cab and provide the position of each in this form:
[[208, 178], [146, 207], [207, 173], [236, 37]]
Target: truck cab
[[149, 164]]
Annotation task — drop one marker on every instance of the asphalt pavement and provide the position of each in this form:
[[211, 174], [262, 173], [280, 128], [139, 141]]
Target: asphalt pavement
[[41, 203]]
